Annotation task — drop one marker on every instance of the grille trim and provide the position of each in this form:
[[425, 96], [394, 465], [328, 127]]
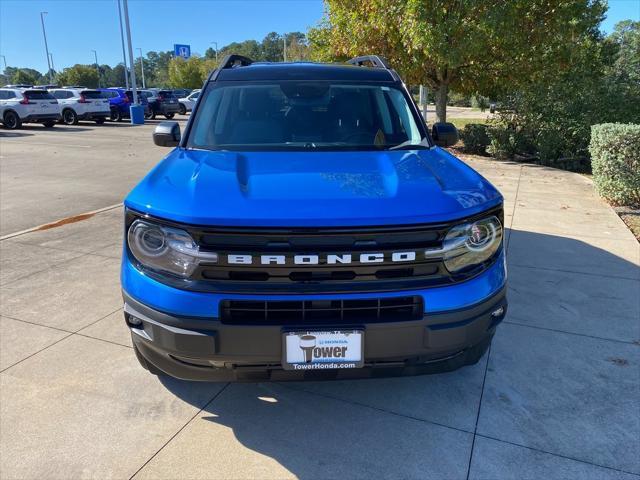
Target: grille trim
[[321, 312]]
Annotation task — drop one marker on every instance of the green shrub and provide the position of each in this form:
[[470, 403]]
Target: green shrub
[[615, 160], [507, 140], [478, 101], [476, 138]]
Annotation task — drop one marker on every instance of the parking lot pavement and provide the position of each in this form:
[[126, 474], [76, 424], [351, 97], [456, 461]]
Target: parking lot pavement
[[557, 396], [50, 174]]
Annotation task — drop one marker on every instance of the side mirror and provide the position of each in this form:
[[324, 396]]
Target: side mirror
[[167, 134], [444, 134]]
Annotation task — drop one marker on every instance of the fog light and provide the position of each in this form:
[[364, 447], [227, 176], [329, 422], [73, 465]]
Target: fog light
[[133, 321], [498, 312]]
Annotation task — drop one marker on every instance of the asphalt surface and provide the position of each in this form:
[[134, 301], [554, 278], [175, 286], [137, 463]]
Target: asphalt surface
[[50, 174], [556, 397]]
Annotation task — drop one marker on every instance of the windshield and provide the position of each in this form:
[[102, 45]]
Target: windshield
[[304, 114]]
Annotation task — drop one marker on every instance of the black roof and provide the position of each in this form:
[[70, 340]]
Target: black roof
[[305, 71]]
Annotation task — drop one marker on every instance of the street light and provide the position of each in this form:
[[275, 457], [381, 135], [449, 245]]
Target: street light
[[52, 66], [5, 61], [284, 39], [46, 47], [97, 67], [141, 67], [124, 55], [125, 6], [216, 44]]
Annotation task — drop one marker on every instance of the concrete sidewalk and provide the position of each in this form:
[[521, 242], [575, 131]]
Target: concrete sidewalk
[[557, 396]]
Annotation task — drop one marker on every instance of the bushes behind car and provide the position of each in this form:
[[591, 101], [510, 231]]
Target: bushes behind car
[[476, 138], [615, 160]]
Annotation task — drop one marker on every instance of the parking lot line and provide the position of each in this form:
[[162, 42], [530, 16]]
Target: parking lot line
[[62, 221]]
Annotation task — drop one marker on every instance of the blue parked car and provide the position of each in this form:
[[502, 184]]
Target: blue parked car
[[120, 100], [308, 225]]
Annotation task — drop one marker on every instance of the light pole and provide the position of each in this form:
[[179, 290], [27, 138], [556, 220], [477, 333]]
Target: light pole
[[97, 67], [46, 47], [5, 61], [124, 55], [52, 66], [216, 44], [142, 68], [130, 48], [284, 38]]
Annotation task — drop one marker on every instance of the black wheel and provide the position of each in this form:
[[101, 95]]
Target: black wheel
[[12, 120], [169, 116], [116, 116], [49, 124], [99, 121], [183, 109], [147, 116], [145, 364], [69, 117]]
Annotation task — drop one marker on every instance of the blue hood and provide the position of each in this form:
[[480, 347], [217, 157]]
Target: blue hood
[[312, 189]]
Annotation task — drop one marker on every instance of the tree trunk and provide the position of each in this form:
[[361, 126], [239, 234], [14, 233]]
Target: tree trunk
[[441, 102]]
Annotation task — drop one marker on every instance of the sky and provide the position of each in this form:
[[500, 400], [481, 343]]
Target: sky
[[76, 27]]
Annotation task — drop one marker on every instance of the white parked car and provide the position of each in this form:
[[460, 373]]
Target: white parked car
[[18, 106], [82, 104], [187, 103]]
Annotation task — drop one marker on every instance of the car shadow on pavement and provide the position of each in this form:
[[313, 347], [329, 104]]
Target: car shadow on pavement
[[14, 134], [560, 290]]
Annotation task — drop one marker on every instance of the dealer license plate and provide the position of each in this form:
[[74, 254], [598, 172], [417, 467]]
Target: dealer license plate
[[323, 350]]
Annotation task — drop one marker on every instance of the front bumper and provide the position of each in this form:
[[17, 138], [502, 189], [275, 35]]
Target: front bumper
[[191, 346]]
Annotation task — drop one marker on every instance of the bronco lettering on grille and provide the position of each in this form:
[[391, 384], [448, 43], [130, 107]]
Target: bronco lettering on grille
[[330, 259]]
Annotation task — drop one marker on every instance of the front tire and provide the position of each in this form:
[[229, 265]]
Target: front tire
[[183, 109], [12, 121], [69, 117], [169, 116], [49, 124]]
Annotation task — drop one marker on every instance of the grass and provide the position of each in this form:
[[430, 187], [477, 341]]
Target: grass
[[460, 123]]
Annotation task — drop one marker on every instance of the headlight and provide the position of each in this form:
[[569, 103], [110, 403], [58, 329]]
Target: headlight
[[470, 244], [166, 249]]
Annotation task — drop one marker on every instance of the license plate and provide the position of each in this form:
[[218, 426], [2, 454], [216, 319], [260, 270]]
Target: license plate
[[323, 350]]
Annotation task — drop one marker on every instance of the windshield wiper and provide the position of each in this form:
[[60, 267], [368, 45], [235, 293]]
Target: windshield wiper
[[409, 146]]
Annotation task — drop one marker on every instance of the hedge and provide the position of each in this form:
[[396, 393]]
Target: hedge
[[615, 160], [476, 138]]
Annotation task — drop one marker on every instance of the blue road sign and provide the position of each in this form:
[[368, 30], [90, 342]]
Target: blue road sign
[[183, 51]]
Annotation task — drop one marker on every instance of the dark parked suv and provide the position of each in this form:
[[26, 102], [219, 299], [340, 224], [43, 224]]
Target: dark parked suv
[[164, 103], [306, 225]]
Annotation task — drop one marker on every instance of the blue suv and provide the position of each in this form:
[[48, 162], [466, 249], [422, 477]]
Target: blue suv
[[306, 225], [120, 100]]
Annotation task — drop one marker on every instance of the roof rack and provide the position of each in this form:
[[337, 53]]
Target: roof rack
[[375, 60], [231, 61]]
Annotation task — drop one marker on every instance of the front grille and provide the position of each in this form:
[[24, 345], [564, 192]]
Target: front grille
[[324, 276], [321, 312]]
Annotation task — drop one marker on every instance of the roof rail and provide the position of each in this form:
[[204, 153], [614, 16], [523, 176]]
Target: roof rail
[[230, 61], [375, 60]]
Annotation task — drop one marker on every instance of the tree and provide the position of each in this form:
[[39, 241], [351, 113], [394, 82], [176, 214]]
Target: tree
[[26, 76], [85, 75], [488, 47], [187, 73]]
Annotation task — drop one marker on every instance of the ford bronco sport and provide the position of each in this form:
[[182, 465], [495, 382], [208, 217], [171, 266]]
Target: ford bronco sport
[[306, 225]]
